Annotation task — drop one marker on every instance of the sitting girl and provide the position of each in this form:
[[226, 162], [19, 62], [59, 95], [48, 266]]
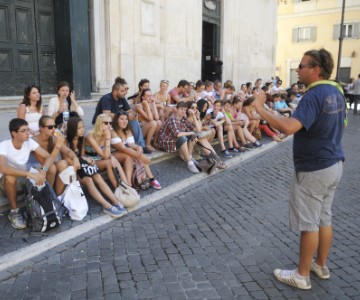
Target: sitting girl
[[262, 125], [162, 99], [202, 107], [97, 147], [123, 141], [148, 118], [75, 141], [31, 109]]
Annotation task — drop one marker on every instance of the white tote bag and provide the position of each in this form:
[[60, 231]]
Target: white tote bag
[[74, 198]]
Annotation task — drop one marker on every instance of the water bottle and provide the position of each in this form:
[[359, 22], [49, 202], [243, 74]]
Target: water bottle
[[66, 116]]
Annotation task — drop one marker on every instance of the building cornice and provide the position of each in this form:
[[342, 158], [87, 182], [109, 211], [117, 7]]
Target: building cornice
[[318, 12]]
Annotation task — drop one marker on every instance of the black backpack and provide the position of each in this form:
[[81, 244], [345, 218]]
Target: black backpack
[[44, 210]]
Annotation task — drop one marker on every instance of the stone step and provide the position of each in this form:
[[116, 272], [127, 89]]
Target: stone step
[[10, 103]]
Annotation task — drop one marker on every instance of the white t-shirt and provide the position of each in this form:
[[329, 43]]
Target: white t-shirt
[[17, 158], [206, 95], [276, 89], [219, 115]]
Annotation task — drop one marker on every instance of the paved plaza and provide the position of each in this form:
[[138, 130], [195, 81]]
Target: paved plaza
[[219, 238]]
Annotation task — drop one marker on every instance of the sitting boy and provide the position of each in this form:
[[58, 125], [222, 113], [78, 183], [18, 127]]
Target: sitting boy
[[281, 106], [176, 135], [14, 154]]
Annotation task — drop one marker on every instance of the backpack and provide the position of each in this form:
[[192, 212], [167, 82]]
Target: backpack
[[44, 210], [139, 179]]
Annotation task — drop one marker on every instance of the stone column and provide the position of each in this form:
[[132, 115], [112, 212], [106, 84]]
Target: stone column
[[100, 46]]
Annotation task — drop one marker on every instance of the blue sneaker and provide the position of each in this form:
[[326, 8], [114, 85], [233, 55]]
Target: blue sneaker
[[114, 211], [234, 151], [225, 153]]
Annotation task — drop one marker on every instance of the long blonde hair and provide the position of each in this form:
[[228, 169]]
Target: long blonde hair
[[97, 129]]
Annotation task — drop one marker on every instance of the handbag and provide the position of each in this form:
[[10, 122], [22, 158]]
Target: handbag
[[257, 133], [74, 198], [139, 179], [125, 193], [208, 163]]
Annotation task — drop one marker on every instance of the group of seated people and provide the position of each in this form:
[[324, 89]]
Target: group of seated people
[[185, 120]]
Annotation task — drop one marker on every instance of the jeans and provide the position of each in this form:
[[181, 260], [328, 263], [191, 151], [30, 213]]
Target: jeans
[[356, 102], [137, 132]]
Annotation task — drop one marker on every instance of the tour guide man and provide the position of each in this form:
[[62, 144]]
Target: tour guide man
[[318, 124]]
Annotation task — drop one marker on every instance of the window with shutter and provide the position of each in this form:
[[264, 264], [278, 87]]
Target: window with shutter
[[304, 34], [295, 35], [336, 32], [356, 30], [313, 34], [350, 31]]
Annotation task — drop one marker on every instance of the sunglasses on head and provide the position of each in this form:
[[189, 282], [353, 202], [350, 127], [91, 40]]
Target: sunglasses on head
[[164, 81], [301, 66], [107, 123], [122, 113], [49, 126]]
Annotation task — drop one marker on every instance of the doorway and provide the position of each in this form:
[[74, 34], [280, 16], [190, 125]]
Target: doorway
[[210, 37], [208, 50], [27, 46]]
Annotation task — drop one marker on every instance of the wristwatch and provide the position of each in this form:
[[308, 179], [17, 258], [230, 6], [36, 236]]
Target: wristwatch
[[44, 169]]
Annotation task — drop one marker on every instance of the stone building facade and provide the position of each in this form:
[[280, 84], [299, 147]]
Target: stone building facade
[[90, 42], [162, 39]]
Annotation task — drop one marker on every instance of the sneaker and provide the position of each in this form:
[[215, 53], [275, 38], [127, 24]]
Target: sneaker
[[120, 206], [242, 149], [249, 146], [115, 211], [191, 166], [321, 272], [292, 277], [146, 150], [221, 165], [155, 184], [225, 153], [16, 219], [257, 144], [234, 151]]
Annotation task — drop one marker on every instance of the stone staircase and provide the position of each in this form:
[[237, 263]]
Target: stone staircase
[[10, 103]]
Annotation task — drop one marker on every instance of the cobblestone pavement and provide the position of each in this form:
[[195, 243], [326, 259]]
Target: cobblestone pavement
[[220, 239], [168, 172]]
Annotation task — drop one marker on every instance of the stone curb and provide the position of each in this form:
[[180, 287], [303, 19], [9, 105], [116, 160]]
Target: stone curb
[[20, 256]]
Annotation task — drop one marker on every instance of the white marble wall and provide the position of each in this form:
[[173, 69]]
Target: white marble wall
[[248, 40], [161, 39]]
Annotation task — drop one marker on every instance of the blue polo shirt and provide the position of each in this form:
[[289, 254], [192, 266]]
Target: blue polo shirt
[[317, 145], [108, 102]]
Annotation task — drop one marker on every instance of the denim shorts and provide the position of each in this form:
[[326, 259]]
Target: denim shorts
[[311, 198], [181, 140]]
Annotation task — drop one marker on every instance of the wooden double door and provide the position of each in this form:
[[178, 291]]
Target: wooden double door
[[27, 46]]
